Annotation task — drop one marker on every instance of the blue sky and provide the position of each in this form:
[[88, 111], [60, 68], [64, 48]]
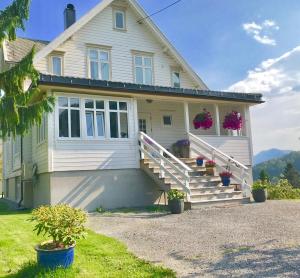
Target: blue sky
[[242, 45]]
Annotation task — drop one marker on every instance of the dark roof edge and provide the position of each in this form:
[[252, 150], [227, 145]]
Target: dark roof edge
[[146, 89]]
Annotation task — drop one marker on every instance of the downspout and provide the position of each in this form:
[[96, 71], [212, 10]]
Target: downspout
[[22, 171]]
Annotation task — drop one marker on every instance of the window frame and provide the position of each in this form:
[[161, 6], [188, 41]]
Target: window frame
[[61, 57], [118, 111], [143, 56], [122, 11], [163, 122], [99, 49], [69, 108], [172, 79], [41, 131]]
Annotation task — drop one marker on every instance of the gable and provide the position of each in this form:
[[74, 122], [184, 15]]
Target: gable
[[96, 28]]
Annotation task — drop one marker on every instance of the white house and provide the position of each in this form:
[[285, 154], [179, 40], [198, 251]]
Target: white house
[[124, 95]]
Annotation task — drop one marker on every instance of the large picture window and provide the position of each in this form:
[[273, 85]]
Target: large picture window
[[143, 67], [118, 116], [99, 64], [69, 117], [95, 118]]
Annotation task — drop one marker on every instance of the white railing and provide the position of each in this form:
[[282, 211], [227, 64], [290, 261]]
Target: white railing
[[159, 156], [240, 172]]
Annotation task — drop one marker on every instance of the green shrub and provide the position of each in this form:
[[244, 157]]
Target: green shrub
[[258, 185], [283, 190], [62, 223], [175, 194]]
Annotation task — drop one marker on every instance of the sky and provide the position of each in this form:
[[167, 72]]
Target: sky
[[247, 46]]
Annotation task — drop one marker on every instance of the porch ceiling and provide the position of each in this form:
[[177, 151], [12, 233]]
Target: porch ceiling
[[75, 82]]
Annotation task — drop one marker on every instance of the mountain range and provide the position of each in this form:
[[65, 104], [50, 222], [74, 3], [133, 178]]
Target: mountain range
[[269, 154]]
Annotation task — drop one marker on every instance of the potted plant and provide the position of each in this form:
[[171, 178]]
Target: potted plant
[[259, 192], [64, 225], [225, 177], [182, 148], [233, 121], [203, 120], [199, 160], [176, 201], [210, 167]]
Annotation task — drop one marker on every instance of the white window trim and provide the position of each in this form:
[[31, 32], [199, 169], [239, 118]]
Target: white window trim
[[143, 55], [83, 138], [118, 111], [61, 57], [41, 130], [69, 118], [16, 156], [99, 49], [123, 11], [172, 81], [167, 115]]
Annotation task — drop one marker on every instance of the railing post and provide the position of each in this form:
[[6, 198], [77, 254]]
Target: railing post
[[187, 185], [162, 165], [243, 185], [213, 155], [142, 146]]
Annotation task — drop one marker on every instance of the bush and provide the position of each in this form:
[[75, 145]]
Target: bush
[[283, 190], [258, 185], [62, 223], [175, 194]]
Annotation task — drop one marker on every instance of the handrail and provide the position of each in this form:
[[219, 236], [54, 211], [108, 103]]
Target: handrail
[[187, 168], [219, 151]]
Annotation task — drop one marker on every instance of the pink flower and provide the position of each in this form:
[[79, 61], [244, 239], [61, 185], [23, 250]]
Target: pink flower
[[233, 121], [203, 120]]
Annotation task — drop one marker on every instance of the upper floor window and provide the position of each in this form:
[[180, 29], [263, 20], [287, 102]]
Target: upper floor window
[[57, 65], [143, 67], [119, 19], [69, 117], [41, 130], [95, 118], [175, 79], [99, 64]]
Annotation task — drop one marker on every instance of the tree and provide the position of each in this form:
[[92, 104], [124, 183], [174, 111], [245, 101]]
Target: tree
[[263, 176], [292, 175], [20, 108]]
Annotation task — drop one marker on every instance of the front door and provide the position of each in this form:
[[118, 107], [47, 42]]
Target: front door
[[145, 124]]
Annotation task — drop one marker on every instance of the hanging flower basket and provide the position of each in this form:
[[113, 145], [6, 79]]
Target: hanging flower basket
[[203, 120], [233, 121]]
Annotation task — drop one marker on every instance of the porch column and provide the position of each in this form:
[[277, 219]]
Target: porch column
[[186, 117], [217, 116]]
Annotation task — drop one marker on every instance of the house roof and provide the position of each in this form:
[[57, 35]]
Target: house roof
[[140, 11], [73, 82], [16, 50]]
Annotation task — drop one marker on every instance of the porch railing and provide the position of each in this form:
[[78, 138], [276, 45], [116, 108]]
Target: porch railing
[[240, 172], [168, 164]]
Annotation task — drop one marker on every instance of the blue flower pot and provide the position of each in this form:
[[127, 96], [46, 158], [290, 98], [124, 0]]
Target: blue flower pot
[[225, 181], [52, 259], [199, 162]]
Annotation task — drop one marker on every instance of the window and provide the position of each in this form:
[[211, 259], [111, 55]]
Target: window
[[57, 65], [99, 65], [41, 130], [119, 20], [175, 79], [143, 67], [167, 120], [69, 117], [95, 118], [118, 117], [143, 125], [16, 146]]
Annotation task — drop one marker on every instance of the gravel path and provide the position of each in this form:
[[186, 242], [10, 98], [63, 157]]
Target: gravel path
[[253, 240]]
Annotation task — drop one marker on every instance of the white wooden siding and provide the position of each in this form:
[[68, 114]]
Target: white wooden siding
[[40, 152], [99, 31]]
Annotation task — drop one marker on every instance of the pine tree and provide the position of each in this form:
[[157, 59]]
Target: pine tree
[[263, 176], [20, 108], [292, 175]]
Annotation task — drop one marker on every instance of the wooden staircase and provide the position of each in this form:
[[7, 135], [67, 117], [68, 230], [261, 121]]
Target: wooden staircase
[[204, 189]]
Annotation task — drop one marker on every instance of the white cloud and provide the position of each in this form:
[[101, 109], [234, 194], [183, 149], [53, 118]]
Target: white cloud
[[262, 32], [277, 122]]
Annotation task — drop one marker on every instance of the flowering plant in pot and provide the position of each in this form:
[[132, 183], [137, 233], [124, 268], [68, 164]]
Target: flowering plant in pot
[[233, 121], [64, 225], [210, 167], [225, 177], [199, 160], [176, 201], [182, 148], [203, 120], [259, 191]]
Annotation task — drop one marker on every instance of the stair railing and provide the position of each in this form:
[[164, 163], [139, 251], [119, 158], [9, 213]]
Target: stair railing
[[240, 172], [162, 158]]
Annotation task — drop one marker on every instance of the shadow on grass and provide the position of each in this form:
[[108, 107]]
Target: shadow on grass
[[9, 208], [31, 269]]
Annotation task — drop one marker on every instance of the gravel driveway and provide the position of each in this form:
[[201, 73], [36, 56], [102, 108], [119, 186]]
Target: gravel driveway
[[253, 240]]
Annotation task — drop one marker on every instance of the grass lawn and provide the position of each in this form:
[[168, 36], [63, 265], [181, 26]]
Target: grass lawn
[[95, 256]]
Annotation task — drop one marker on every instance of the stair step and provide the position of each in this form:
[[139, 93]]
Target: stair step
[[199, 204], [216, 196], [212, 190]]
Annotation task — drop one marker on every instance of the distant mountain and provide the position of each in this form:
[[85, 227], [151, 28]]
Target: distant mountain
[[274, 167], [269, 154]]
